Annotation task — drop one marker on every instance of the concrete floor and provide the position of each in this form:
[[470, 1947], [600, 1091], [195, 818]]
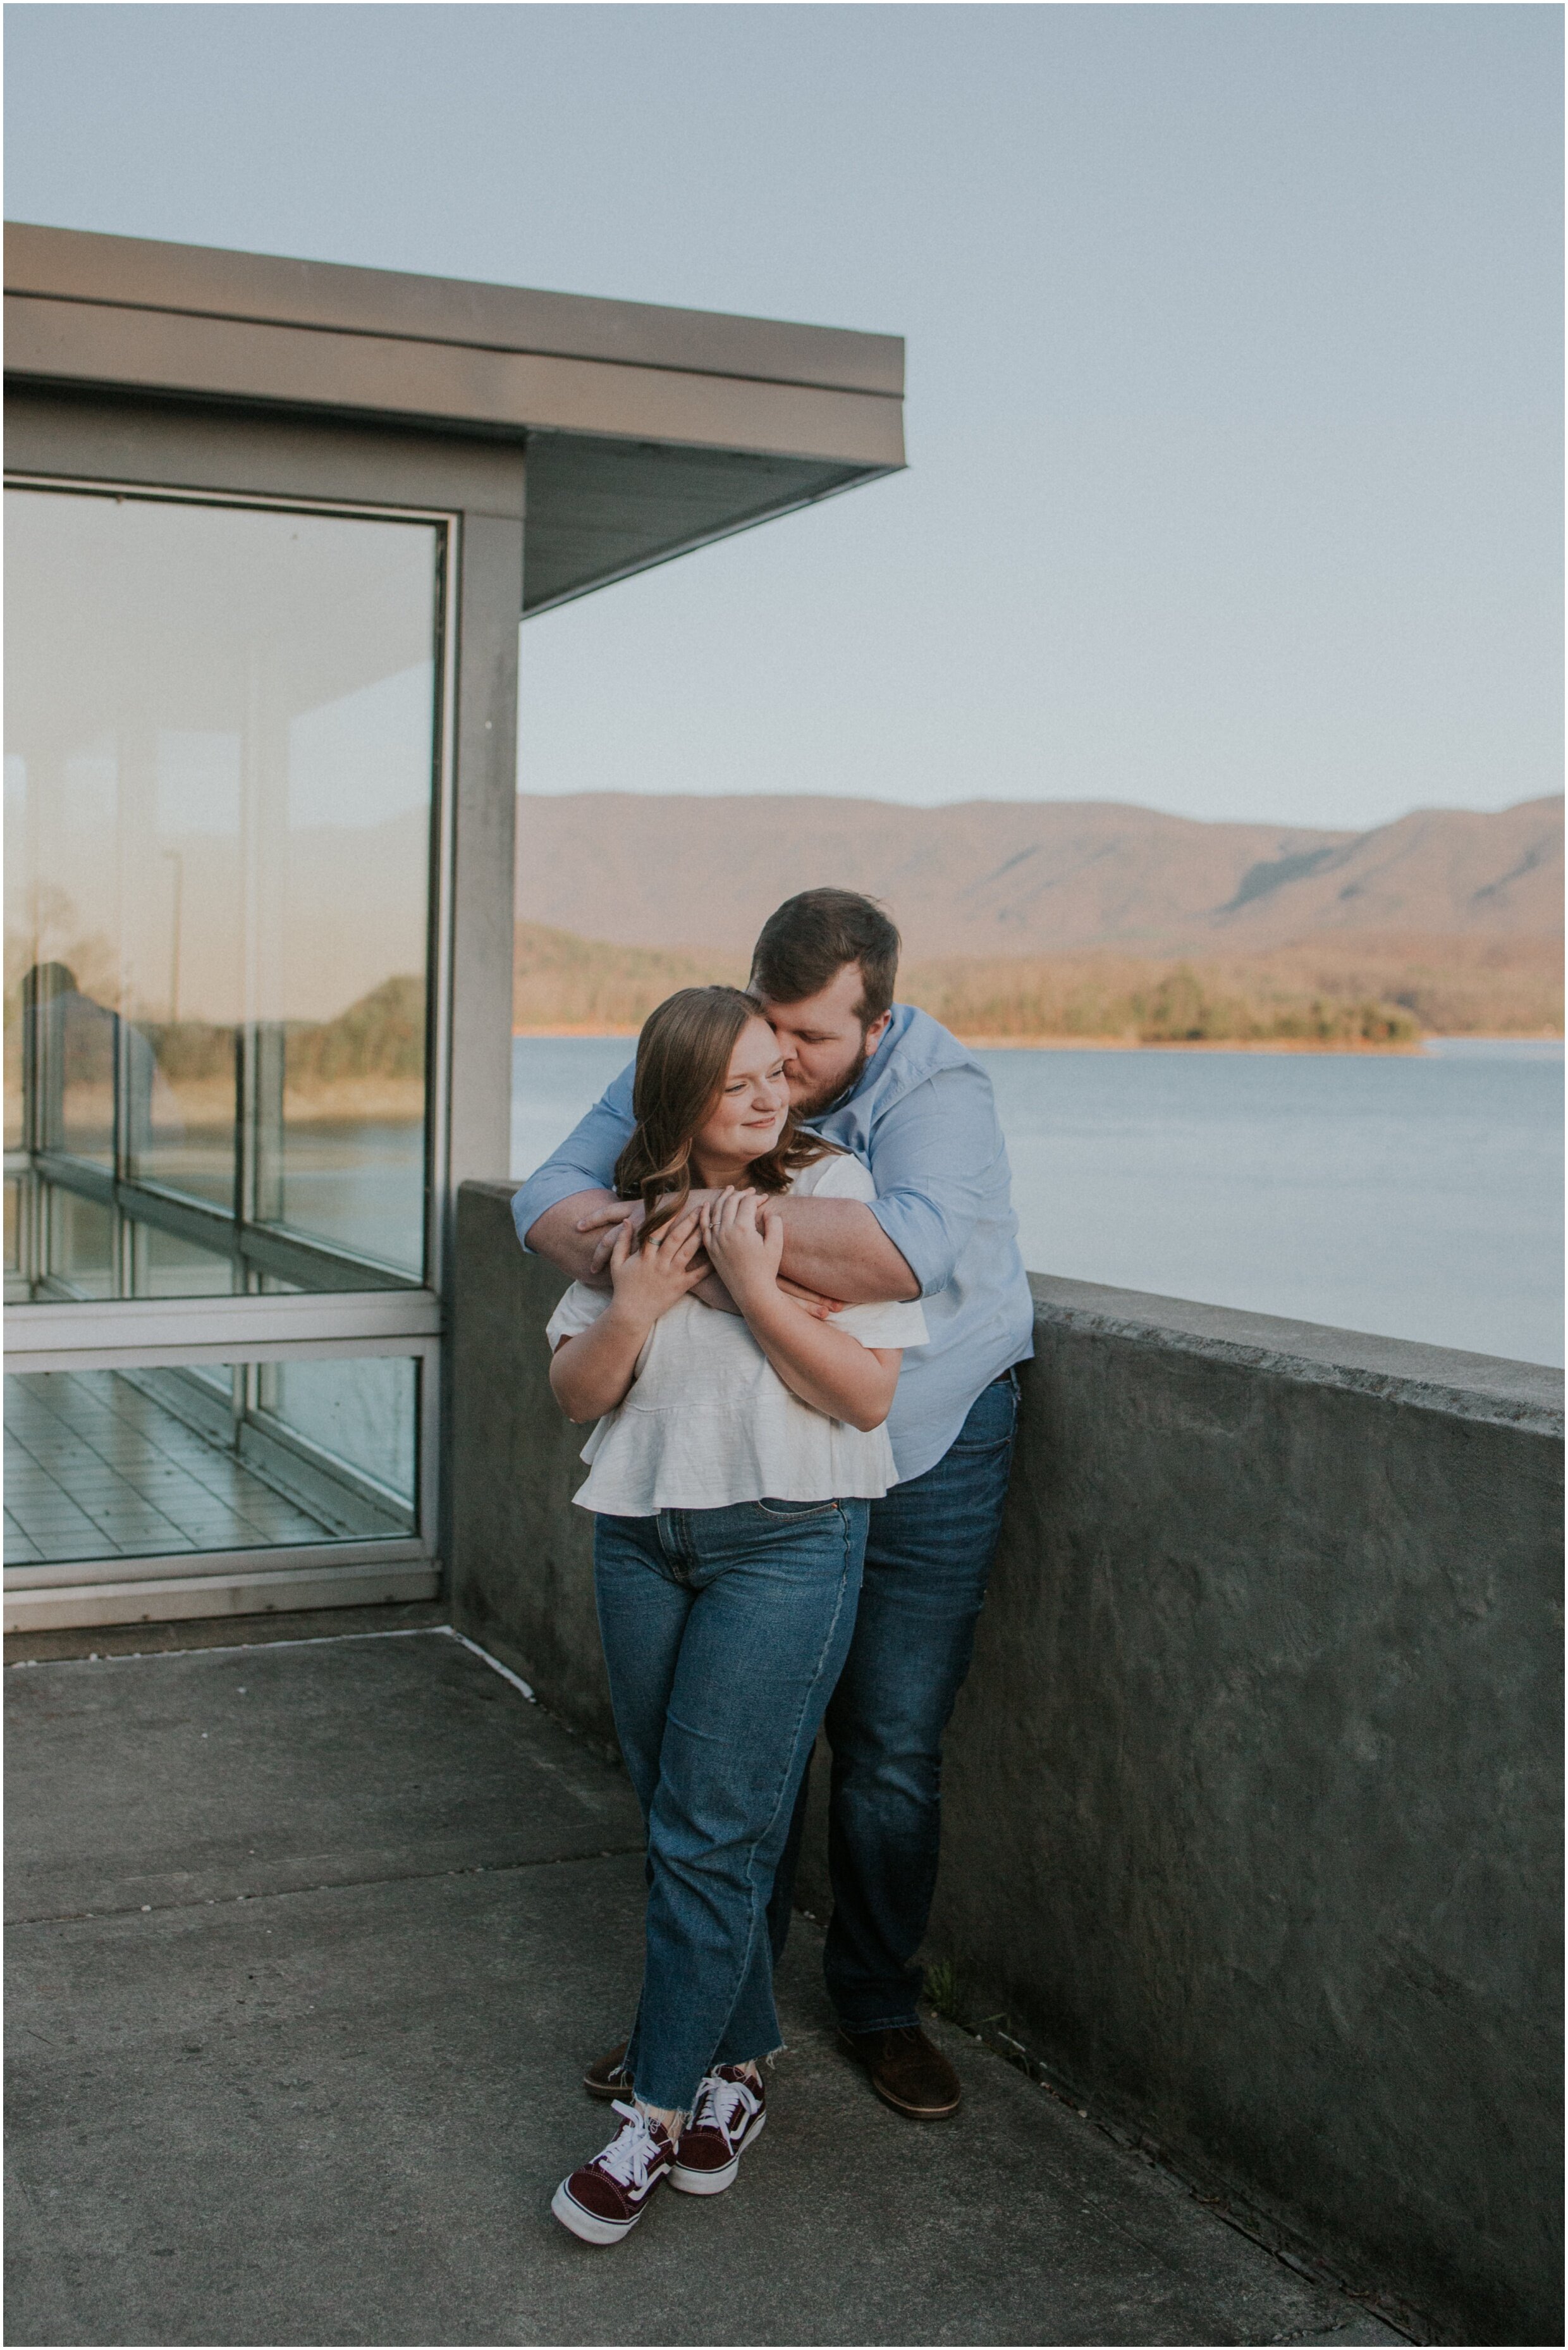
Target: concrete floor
[[308, 1946]]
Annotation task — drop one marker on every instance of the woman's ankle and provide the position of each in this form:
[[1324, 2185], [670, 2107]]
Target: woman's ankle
[[671, 2120]]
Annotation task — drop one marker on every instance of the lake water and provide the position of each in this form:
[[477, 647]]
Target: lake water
[[1418, 1196]]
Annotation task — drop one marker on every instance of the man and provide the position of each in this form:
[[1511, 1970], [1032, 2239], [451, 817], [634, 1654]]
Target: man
[[887, 1083]]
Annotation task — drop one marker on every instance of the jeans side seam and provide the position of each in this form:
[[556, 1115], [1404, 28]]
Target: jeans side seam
[[827, 1638]]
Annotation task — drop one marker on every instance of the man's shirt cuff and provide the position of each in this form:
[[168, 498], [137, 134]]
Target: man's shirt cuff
[[545, 1189], [921, 1233]]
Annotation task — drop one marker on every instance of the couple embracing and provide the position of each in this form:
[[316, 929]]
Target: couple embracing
[[797, 1307]]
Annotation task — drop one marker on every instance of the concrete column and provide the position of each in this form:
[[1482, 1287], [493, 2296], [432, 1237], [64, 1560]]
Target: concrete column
[[479, 1085], [488, 611]]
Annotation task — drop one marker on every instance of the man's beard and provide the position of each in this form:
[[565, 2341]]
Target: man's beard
[[817, 1105]]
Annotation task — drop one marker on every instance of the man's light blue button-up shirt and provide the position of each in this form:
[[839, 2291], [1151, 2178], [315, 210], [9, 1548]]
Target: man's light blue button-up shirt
[[923, 1119]]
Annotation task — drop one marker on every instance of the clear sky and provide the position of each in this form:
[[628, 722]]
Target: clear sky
[[1234, 338]]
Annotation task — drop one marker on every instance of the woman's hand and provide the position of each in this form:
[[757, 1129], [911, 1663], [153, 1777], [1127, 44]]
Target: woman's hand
[[827, 1368], [745, 1240], [647, 1281], [591, 1374], [605, 1222]]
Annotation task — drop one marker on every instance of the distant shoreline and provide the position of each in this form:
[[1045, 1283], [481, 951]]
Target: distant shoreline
[[1385, 992], [563, 1034]]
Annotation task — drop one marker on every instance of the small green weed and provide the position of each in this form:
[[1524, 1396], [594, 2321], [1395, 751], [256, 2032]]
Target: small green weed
[[945, 1990]]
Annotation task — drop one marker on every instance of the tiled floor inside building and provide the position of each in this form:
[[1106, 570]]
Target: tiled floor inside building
[[96, 1467]]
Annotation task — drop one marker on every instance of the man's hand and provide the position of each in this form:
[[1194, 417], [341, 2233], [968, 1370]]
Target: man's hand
[[605, 1224], [810, 1301], [555, 1235], [711, 1290]]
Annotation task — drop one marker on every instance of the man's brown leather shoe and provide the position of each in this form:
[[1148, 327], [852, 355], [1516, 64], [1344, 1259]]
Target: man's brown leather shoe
[[604, 2078], [906, 2072]]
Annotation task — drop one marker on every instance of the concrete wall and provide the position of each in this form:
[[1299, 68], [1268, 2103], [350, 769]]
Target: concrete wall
[[1251, 1820], [522, 1557]]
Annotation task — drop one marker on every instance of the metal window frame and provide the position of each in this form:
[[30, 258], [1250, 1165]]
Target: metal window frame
[[167, 1205], [387, 1318], [31, 1590], [352, 1552]]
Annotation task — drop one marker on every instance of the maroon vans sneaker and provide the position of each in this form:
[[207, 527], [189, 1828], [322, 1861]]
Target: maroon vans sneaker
[[602, 2201], [731, 2112]]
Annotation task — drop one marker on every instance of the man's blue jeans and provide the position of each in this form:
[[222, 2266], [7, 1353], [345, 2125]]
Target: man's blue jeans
[[724, 1631], [927, 1558]]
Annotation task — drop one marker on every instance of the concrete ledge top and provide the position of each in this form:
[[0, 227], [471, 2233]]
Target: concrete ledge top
[[1399, 1370]]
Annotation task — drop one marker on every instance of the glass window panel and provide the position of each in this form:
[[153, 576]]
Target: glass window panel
[[356, 1413], [167, 1265], [16, 823], [80, 1244], [88, 1034], [221, 737], [179, 1129], [102, 1465], [357, 1182]]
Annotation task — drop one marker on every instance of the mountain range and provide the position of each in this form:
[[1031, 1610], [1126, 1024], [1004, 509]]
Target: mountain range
[[990, 877]]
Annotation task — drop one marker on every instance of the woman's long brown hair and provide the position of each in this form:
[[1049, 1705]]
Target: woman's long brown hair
[[682, 1060]]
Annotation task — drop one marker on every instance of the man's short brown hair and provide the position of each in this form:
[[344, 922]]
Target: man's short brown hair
[[804, 946]]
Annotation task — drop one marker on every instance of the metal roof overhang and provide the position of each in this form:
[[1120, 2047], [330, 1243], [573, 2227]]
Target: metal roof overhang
[[648, 430]]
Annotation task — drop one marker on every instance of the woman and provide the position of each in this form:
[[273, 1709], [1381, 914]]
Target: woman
[[731, 1471]]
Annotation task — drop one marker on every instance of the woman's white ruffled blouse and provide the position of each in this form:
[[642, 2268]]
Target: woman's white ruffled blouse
[[707, 1420]]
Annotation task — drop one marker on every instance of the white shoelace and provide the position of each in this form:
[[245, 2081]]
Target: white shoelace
[[631, 2154], [722, 2103]]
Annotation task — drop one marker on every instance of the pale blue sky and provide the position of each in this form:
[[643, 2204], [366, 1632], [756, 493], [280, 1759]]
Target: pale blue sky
[[1234, 360]]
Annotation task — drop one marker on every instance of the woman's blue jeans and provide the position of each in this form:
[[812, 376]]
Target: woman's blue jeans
[[724, 1631]]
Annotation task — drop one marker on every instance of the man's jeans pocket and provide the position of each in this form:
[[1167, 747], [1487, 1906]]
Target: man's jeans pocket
[[992, 1421]]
